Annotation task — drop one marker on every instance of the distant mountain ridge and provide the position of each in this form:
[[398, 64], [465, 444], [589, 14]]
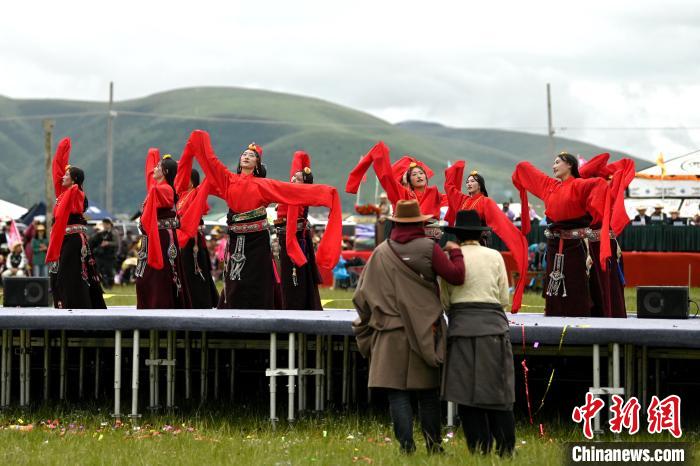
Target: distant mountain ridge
[[335, 136]]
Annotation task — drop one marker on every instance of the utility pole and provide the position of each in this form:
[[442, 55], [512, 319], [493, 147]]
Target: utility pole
[[50, 195], [109, 181], [550, 130]]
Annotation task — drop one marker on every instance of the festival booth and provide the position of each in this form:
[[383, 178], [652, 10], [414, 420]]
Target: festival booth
[[11, 211]]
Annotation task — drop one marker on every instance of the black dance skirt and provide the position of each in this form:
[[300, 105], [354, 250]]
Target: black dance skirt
[[75, 284], [300, 292], [257, 285], [197, 268], [165, 288], [607, 287], [578, 301]]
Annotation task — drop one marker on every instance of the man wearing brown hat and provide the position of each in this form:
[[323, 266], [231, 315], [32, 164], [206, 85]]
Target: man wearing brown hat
[[401, 326]]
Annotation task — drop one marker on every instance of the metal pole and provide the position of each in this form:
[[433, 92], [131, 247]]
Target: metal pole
[[657, 378], [3, 369], [8, 392], [22, 367], [109, 178], [290, 379], [301, 402], [596, 381], [97, 373], [117, 372], [645, 376], [49, 193], [46, 365], [135, 374], [156, 369], [319, 386], [188, 366], [616, 365], [62, 381], [81, 371], [354, 378], [329, 370], [169, 370], [273, 378], [550, 128], [28, 370], [346, 345], [152, 368], [450, 414]]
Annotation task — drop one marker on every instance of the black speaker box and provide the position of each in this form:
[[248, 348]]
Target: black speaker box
[[662, 302], [26, 292]]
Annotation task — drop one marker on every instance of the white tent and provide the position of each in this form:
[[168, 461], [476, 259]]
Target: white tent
[[682, 179], [10, 210]]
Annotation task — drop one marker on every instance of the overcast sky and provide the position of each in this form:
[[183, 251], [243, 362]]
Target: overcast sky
[[621, 65]]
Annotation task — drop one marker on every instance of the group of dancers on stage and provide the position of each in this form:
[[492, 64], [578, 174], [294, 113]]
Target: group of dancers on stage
[[584, 207]]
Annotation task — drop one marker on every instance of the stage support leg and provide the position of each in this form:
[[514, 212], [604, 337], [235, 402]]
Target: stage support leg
[[301, 357], [97, 373], [188, 366], [216, 374], [450, 414], [117, 373], [346, 354], [273, 378], [152, 370], [657, 377], [645, 376], [354, 378], [4, 387], [62, 381], [596, 383], [232, 375], [28, 369], [135, 375], [319, 383], [169, 370], [329, 371], [47, 344], [22, 367], [81, 372], [290, 378]]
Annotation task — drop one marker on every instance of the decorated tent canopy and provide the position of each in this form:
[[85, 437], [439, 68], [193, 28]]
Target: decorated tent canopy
[[681, 180], [10, 210]]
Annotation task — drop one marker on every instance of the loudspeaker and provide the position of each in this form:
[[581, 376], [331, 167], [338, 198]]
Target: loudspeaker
[[26, 292], [662, 302]]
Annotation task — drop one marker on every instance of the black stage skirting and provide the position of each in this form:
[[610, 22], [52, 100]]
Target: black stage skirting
[[665, 333]]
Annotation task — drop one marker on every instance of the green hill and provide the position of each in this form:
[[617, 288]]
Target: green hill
[[335, 137]]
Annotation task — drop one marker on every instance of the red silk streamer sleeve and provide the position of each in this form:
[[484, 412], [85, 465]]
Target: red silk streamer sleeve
[[192, 214], [453, 190], [622, 173], [184, 172], [528, 178], [378, 157], [514, 240], [159, 195], [296, 194], [215, 171], [70, 201], [58, 167], [152, 160], [401, 166]]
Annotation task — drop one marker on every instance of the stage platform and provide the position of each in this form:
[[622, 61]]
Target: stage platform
[[312, 339]]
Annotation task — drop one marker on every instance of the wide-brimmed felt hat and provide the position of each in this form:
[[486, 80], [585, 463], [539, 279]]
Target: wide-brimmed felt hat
[[408, 212], [467, 220]]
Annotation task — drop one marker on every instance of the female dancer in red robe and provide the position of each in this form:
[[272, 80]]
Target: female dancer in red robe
[[477, 199], [249, 272], [578, 213], [75, 283], [414, 172], [159, 273], [193, 247], [299, 284], [607, 286]]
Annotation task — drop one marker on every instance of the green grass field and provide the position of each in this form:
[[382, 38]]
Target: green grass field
[[233, 436]]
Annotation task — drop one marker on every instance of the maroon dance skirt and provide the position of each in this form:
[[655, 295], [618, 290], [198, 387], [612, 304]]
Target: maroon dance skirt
[[197, 274], [607, 288], [301, 294], [578, 301]]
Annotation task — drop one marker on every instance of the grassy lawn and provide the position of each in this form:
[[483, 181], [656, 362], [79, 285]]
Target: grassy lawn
[[226, 437]]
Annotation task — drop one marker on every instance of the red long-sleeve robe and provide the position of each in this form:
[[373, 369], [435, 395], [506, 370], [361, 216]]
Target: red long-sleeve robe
[[159, 194], [430, 199], [565, 200], [68, 201], [492, 216], [620, 174], [243, 193]]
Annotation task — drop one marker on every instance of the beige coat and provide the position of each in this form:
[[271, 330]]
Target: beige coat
[[400, 327]]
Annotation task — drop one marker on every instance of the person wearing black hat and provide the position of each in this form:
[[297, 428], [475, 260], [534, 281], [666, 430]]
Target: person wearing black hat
[[401, 327], [479, 374]]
